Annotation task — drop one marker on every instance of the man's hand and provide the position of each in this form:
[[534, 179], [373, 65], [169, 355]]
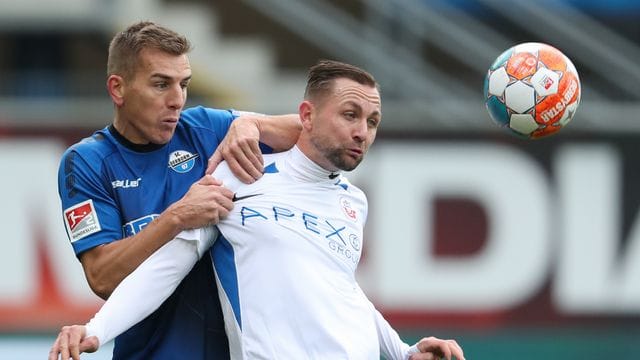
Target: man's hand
[[71, 342], [240, 148], [432, 348], [206, 203]]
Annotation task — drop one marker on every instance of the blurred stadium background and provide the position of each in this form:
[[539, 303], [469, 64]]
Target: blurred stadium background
[[518, 249]]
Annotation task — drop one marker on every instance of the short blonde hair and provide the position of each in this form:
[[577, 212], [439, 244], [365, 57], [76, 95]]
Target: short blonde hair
[[126, 46]]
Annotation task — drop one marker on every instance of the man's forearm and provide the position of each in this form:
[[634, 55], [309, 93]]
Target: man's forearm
[[280, 132], [107, 265], [154, 281], [391, 346]]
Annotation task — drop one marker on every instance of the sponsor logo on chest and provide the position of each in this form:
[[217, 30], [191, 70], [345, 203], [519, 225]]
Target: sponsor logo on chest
[[342, 238], [125, 184], [135, 226]]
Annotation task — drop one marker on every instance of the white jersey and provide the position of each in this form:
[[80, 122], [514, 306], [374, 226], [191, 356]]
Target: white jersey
[[285, 261]]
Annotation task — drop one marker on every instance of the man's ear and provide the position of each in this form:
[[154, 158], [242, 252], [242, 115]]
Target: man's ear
[[115, 87], [306, 110]]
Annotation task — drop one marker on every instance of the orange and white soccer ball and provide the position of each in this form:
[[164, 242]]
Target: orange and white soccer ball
[[532, 89]]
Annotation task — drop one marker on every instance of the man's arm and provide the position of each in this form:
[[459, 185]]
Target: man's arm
[[429, 348], [393, 348], [105, 266], [280, 132], [205, 203], [433, 348], [240, 147], [154, 281]]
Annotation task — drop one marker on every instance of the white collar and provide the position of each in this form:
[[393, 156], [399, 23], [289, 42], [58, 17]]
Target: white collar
[[305, 169]]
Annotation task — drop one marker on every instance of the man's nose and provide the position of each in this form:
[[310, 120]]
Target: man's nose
[[360, 130], [177, 97]]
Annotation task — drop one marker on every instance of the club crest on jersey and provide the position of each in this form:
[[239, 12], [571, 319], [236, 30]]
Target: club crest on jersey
[[347, 209], [182, 161], [81, 220]]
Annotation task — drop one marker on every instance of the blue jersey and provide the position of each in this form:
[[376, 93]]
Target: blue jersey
[[111, 189]]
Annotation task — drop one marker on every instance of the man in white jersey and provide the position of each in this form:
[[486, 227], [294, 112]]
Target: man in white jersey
[[286, 256]]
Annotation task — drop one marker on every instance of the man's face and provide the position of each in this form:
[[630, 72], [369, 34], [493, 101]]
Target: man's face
[[154, 97], [345, 124]]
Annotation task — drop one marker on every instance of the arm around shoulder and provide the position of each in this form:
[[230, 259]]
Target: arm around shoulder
[[280, 132], [240, 147]]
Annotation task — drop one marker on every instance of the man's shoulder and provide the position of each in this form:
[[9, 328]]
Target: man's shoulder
[[273, 157], [201, 115], [352, 189], [96, 145], [223, 172]]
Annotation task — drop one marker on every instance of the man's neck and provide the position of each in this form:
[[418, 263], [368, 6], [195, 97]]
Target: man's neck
[[312, 154], [131, 145]]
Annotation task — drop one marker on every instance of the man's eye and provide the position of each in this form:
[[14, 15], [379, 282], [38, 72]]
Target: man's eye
[[161, 85]]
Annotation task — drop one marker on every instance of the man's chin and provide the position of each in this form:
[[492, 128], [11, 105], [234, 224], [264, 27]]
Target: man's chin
[[345, 162], [164, 138], [350, 165]]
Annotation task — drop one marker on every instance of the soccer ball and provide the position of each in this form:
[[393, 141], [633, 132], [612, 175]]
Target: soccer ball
[[532, 89]]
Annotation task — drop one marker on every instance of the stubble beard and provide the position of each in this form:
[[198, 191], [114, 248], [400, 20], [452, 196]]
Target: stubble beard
[[342, 161], [337, 156]]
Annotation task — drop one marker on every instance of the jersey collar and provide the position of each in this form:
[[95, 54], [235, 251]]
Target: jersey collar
[[131, 146], [303, 168]]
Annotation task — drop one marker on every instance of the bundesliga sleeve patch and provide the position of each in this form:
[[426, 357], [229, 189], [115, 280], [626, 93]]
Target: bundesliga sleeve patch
[[81, 220]]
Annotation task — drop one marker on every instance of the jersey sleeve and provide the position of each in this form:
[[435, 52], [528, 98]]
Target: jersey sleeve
[[218, 121], [391, 346], [154, 281], [90, 213]]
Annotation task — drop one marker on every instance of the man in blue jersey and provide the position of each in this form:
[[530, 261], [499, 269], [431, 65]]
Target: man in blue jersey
[[133, 186], [285, 257]]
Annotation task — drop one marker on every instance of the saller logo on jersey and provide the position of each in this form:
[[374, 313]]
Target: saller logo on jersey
[[81, 220], [182, 161]]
